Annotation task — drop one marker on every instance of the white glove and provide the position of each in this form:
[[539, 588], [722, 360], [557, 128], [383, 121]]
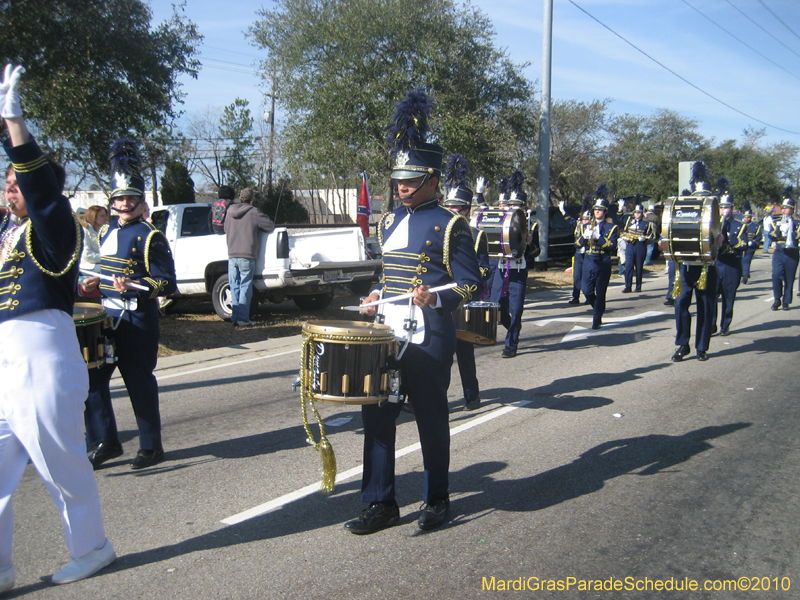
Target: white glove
[[752, 244], [596, 233], [784, 227], [621, 204], [587, 231], [562, 206], [641, 238], [481, 185], [10, 106]]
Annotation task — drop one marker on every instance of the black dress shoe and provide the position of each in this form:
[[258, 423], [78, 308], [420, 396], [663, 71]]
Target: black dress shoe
[[597, 325], [744, 279], [378, 516], [147, 458], [724, 332], [626, 291], [574, 301], [638, 290], [434, 514], [509, 353], [680, 353], [785, 306], [104, 451], [669, 302], [775, 305], [702, 356], [473, 404]]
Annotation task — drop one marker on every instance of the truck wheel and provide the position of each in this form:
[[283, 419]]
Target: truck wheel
[[221, 298], [315, 301]]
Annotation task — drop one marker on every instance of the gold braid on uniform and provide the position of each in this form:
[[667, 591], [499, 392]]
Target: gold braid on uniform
[[75, 253], [447, 233], [158, 284], [678, 284]]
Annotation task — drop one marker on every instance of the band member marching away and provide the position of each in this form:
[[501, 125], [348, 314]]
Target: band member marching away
[[637, 232], [785, 233], [753, 232], [598, 238], [731, 245], [457, 198], [424, 245], [511, 277], [700, 280]]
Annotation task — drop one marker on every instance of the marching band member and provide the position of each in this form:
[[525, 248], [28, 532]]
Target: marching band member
[[637, 233], [598, 238], [753, 232], [458, 199], [580, 251], [132, 251], [511, 277], [697, 280], [43, 373], [502, 202], [424, 245], [731, 244], [785, 233]]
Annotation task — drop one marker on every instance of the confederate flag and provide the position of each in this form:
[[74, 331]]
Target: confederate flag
[[364, 206]]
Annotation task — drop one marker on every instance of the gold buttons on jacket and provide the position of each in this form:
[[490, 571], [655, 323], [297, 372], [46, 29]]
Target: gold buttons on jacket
[[437, 228], [139, 238], [429, 243]]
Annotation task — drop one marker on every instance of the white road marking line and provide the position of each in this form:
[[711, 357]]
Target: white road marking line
[[314, 487]]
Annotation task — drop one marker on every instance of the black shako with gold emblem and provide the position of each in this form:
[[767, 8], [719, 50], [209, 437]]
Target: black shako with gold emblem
[[39, 264], [136, 250]]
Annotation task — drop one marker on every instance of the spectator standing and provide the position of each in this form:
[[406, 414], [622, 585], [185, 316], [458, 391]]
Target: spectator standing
[[94, 217], [242, 224]]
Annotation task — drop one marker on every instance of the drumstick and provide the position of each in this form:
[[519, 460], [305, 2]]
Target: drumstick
[[110, 278], [441, 288]]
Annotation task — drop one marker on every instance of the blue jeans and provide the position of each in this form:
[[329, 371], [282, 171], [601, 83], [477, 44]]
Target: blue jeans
[[240, 278]]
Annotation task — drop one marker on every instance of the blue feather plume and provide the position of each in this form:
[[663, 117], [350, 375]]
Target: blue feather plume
[[456, 172], [788, 191], [410, 127], [124, 157], [502, 187], [587, 204], [746, 206], [698, 173], [515, 182], [602, 191]]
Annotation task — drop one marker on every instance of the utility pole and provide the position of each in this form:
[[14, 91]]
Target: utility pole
[[271, 134], [543, 196]]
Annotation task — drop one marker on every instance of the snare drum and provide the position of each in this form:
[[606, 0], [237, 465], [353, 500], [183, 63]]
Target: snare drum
[[91, 326], [347, 362], [506, 231], [476, 322], [690, 226]]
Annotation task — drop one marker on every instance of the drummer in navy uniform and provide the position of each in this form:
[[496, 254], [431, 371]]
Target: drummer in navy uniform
[[132, 251], [753, 232], [638, 232], [598, 238], [697, 280], [785, 233], [457, 199], [502, 202], [731, 245], [424, 245], [511, 277]]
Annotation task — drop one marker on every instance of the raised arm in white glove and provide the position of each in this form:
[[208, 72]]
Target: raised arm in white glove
[[562, 206], [481, 185], [10, 105], [621, 204]]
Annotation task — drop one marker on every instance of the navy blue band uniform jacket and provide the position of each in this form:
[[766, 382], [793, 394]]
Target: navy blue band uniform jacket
[[136, 250], [641, 228], [777, 236], [481, 248], [753, 231], [734, 243], [39, 258], [601, 248], [430, 245]]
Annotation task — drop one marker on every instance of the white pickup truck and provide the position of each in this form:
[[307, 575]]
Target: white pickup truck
[[301, 262]]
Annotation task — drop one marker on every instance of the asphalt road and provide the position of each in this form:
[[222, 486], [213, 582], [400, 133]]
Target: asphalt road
[[592, 457]]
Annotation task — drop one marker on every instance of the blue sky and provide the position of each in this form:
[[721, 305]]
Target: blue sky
[[757, 74]]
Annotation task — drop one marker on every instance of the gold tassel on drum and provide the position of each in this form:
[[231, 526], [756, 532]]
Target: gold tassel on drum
[[323, 446], [678, 285]]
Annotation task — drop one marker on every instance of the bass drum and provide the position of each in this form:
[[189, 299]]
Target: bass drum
[[506, 231], [690, 226]]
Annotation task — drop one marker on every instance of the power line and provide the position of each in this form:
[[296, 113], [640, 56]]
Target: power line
[[666, 68], [777, 18], [738, 39], [759, 26]]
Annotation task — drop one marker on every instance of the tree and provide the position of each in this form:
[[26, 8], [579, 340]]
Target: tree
[[177, 186], [236, 126], [97, 71], [752, 172], [339, 66], [280, 205], [644, 152]]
